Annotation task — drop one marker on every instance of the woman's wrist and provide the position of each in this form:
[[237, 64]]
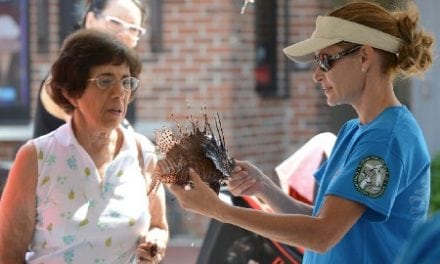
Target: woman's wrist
[[267, 188], [157, 234]]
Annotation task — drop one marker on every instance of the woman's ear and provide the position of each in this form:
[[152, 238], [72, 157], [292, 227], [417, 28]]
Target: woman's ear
[[367, 55], [72, 100]]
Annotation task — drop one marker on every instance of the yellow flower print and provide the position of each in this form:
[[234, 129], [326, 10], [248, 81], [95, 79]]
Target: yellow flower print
[[131, 222], [120, 173], [87, 171], [108, 242], [84, 222], [45, 180], [71, 195], [40, 155]]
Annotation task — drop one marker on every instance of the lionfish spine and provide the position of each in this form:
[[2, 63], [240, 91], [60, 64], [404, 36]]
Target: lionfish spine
[[179, 127], [218, 123]]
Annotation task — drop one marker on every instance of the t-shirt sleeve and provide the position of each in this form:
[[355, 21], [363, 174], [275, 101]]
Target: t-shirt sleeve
[[371, 175]]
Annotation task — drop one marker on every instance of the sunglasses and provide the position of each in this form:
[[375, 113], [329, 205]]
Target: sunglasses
[[105, 82], [325, 61], [116, 24]]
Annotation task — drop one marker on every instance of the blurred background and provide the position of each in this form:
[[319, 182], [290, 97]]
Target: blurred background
[[203, 53]]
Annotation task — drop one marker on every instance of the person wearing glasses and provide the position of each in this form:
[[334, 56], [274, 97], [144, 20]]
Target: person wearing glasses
[[375, 185], [79, 193], [121, 18]]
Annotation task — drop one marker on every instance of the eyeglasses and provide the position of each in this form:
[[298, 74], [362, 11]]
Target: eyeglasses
[[116, 24], [106, 82], [325, 61]]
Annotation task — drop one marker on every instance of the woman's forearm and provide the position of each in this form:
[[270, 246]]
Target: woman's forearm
[[280, 202]]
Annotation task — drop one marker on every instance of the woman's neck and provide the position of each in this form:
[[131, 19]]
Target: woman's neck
[[376, 97], [96, 141]]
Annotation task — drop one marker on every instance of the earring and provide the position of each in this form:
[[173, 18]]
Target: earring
[[363, 70]]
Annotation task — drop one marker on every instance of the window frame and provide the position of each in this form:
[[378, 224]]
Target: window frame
[[15, 98]]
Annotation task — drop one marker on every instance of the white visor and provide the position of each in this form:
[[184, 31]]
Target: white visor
[[331, 30]]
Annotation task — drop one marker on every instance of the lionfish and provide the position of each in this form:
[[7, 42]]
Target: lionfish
[[200, 149]]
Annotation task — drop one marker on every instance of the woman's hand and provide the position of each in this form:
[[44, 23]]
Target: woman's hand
[[246, 179], [151, 249], [197, 197]]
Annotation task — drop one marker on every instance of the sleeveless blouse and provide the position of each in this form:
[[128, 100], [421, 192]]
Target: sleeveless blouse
[[81, 218]]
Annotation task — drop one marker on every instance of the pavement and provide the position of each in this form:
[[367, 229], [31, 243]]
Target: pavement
[[181, 253]]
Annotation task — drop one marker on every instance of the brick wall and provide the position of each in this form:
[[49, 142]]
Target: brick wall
[[267, 130]]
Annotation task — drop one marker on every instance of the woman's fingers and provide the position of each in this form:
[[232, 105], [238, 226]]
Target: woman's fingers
[[150, 252], [240, 186]]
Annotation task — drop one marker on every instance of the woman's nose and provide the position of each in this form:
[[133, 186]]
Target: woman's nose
[[317, 75], [118, 90]]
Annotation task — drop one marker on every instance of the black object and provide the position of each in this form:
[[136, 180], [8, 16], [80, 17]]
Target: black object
[[3, 177], [229, 244]]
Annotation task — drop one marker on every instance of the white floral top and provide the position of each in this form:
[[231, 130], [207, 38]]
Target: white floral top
[[81, 219]]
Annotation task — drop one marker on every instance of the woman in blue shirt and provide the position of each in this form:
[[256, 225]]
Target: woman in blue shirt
[[375, 185]]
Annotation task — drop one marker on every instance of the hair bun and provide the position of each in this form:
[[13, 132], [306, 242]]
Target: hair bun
[[416, 54]]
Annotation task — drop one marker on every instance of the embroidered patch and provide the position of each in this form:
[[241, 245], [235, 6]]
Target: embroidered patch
[[371, 176]]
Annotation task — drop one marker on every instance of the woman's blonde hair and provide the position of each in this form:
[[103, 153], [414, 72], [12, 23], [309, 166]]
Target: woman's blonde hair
[[416, 52]]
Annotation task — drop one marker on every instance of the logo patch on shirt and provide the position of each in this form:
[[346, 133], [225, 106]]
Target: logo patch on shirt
[[371, 177]]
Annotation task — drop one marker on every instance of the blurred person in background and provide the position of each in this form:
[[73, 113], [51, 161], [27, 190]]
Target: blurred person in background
[[375, 185], [79, 193]]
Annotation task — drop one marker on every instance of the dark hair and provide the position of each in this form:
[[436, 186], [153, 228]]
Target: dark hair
[[97, 6], [415, 54], [81, 51]]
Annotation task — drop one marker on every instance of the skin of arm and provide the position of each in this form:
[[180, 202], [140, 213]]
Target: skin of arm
[[246, 179], [152, 247], [318, 233], [18, 206]]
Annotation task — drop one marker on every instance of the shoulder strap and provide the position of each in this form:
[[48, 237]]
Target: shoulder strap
[[141, 163], [140, 156]]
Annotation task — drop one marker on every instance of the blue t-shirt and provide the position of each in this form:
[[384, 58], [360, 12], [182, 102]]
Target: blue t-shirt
[[384, 165]]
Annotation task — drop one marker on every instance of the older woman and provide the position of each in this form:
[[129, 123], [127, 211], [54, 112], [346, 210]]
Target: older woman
[[121, 18], [78, 194], [375, 184]]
